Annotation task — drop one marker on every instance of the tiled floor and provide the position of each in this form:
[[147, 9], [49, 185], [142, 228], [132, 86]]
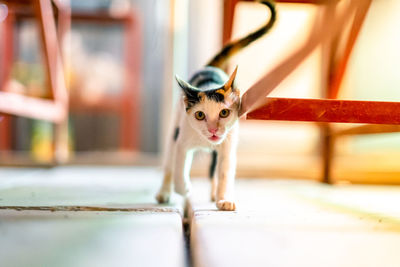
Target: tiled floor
[[107, 216], [298, 223], [31, 238], [140, 234]]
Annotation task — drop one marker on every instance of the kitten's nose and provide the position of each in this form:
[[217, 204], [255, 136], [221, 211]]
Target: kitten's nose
[[213, 131]]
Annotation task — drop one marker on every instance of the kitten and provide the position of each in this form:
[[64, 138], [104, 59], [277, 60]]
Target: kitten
[[207, 119]]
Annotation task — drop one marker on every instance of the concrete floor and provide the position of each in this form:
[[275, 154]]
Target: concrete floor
[[107, 216], [299, 223], [118, 222]]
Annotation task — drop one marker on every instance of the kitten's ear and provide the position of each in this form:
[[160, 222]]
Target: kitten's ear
[[189, 90], [229, 83]]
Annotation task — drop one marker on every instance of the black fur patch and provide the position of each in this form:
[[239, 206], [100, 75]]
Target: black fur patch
[[213, 95], [208, 75], [176, 133], [207, 81], [210, 94], [213, 165]]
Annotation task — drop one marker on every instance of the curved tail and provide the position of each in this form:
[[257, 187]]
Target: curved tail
[[234, 47]]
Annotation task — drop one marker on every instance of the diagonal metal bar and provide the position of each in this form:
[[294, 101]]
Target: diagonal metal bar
[[32, 107], [327, 110], [341, 65], [324, 30], [53, 61]]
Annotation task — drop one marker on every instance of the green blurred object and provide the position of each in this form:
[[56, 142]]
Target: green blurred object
[[42, 141]]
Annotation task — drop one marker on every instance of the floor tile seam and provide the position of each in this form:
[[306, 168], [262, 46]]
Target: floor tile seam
[[78, 208]]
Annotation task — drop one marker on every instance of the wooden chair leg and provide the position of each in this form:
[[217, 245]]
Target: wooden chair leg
[[327, 154], [340, 66], [7, 50], [328, 50], [5, 132], [130, 107], [128, 122], [336, 69], [6, 62], [229, 9], [62, 149], [53, 61], [55, 74]]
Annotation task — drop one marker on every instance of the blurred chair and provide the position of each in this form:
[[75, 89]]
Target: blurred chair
[[54, 108], [126, 104]]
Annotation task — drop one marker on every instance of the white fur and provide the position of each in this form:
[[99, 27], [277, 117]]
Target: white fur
[[194, 135]]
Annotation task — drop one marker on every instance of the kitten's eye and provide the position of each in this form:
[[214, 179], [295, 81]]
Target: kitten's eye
[[224, 113], [200, 115]]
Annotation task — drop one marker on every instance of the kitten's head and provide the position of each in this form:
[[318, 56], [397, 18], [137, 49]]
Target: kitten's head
[[212, 112]]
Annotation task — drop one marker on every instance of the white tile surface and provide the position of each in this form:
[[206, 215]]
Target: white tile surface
[[294, 223]]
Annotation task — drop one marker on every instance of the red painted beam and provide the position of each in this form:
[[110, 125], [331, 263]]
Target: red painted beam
[[31, 107], [324, 110]]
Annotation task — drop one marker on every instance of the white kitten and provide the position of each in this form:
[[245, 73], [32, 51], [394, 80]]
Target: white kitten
[[210, 122], [206, 119]]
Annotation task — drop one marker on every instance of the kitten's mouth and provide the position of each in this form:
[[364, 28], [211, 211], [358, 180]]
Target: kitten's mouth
[[214, 137]]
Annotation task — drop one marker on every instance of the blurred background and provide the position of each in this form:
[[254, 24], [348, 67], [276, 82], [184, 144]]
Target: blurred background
[[120, 57]]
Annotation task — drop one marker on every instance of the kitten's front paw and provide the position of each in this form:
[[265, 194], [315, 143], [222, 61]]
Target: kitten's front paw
[[213, 198], [213, 191], [183, 189], [226, 205], [163, 197]]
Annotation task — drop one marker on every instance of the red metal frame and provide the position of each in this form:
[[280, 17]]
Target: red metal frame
[[133, 52], [56, 108], [6, 51], [325, 28], [327, 32], [52, 110], [327, 110], [40, 109], [337, 74]]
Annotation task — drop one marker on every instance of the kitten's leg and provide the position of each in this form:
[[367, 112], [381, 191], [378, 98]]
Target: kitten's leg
[[212, 175], [226, 174], [214, 184], [166, 188], [164, 193], [226, 177], [183, 162]]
